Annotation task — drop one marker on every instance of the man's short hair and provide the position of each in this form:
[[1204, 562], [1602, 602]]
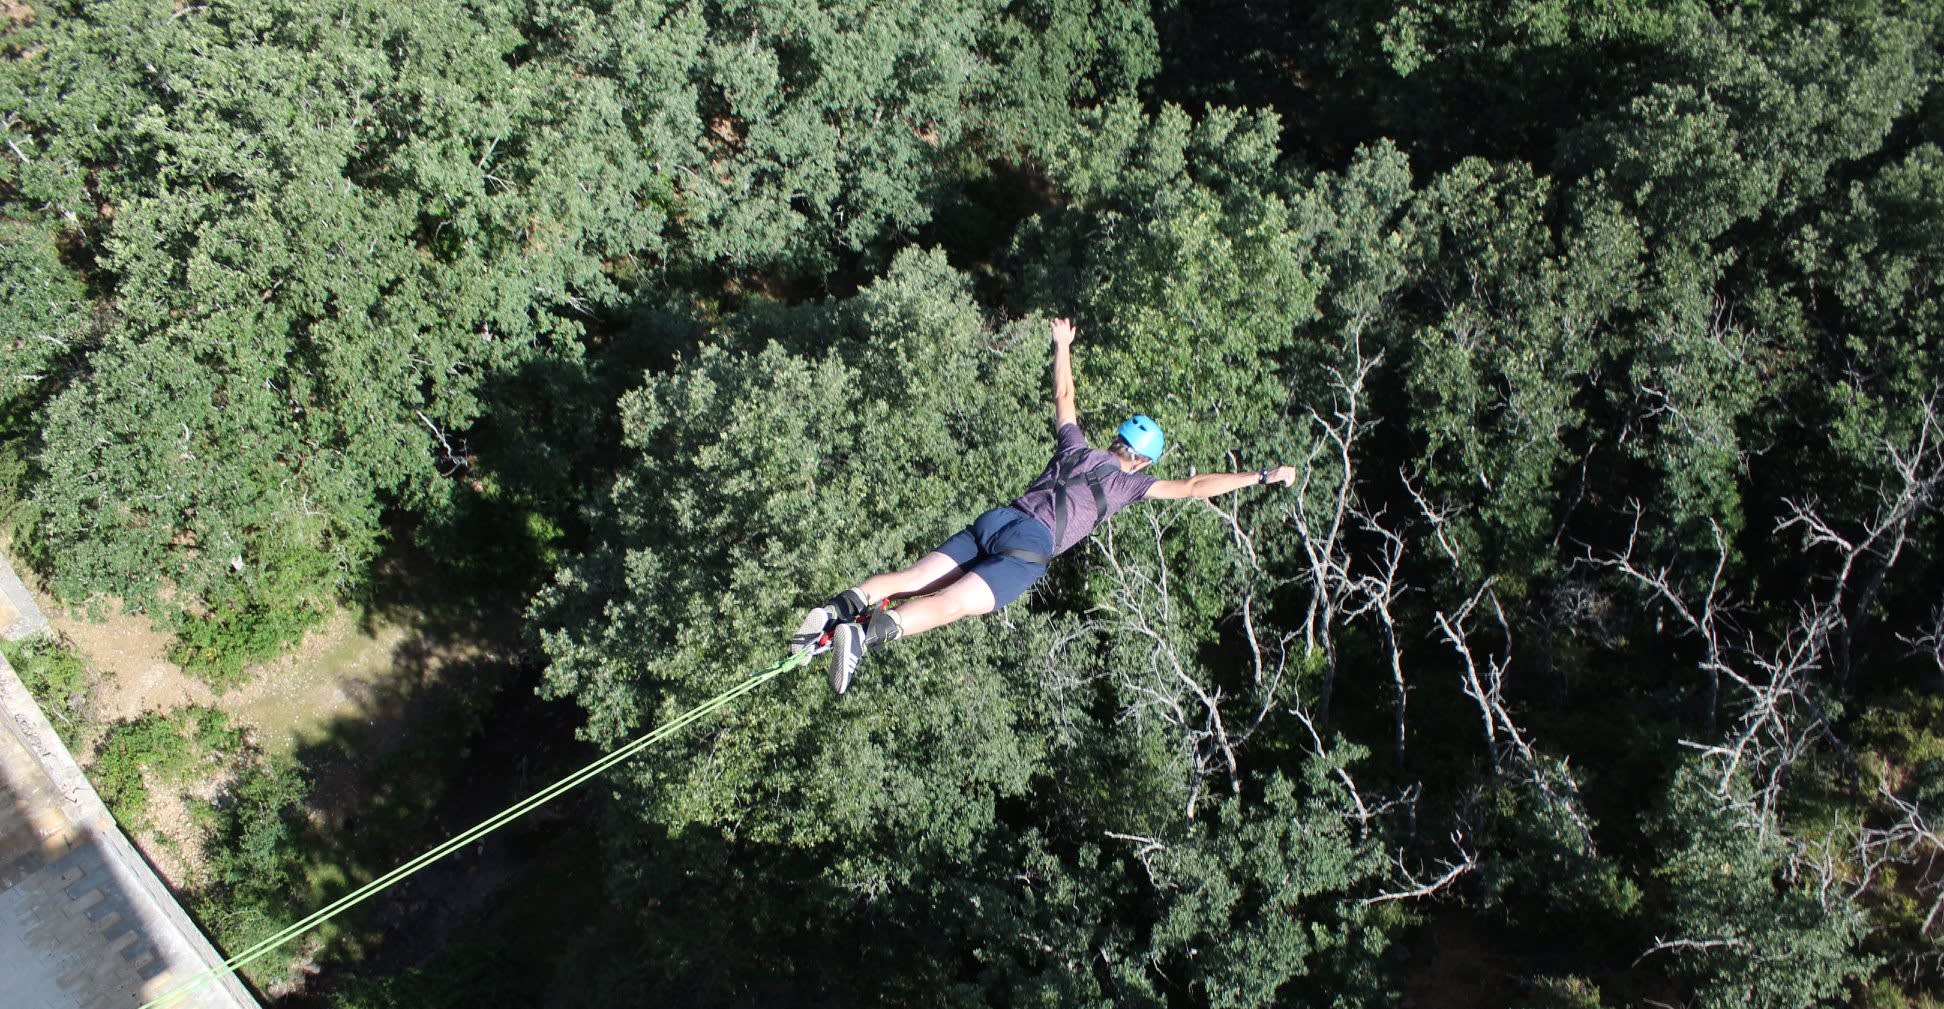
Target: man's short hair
[[1121, 448]]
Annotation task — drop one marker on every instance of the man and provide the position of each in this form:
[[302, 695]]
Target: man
[[1004, 551]]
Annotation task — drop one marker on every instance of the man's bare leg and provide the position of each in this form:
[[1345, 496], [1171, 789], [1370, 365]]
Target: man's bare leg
[[968, 596], [931, 573]]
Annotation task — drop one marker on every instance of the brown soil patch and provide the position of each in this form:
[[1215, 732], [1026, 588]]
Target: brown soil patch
[[281, 705], [339, 671], [17, 12], [132, 658]]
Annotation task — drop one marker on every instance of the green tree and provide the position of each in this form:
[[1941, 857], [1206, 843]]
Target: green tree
[[44, 334], [1260, 895], [1692, 155], [322, 232], [763, 479], [1744, 925], [254, 868], [312, 258], [1520, 313], [1871, 261]]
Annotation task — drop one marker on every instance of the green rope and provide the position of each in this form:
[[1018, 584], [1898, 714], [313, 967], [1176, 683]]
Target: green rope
[[175, 995]]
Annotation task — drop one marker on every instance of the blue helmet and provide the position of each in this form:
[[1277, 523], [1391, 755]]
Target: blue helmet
[[1143, 435]]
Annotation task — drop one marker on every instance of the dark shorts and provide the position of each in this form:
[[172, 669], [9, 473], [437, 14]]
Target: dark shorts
[[976, 550]]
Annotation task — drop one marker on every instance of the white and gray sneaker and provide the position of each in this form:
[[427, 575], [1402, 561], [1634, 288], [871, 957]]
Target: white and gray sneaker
[[847, 648], [845, 605], [811, 631], [851, 640]]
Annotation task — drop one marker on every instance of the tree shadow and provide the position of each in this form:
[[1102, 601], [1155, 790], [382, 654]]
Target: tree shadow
[[1325, 69], [454, 733], [443, 744]]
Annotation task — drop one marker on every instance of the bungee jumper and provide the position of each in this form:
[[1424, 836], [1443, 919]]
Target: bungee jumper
[[981, 568], [1003, 552]]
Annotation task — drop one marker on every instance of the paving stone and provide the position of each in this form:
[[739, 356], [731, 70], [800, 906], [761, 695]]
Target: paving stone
[[21, 866], [92, 904]]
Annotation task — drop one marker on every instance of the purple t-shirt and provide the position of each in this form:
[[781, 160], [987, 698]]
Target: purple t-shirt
[[1121, 489]]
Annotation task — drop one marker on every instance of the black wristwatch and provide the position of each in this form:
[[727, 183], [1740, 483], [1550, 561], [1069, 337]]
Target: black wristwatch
[[1262, 477]]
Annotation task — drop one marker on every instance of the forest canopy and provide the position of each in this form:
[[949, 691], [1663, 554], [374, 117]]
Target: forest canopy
[[1600, 637]]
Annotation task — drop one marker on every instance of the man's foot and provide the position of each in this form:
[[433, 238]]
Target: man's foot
[[852, 640], [811, 631], [844, 606], [848, 605], [846, 653]]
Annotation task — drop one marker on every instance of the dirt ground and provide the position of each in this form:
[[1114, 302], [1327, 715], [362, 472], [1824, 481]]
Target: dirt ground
[[331, 675], [130, 658], [344, 669]]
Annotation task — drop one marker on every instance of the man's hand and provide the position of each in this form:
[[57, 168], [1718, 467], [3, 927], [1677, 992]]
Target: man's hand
[[1063, 409], [1285, 475]]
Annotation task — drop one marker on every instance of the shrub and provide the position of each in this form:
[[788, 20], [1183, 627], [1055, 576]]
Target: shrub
[[56, 677], [217, 646], [156, 748], [255, 867]]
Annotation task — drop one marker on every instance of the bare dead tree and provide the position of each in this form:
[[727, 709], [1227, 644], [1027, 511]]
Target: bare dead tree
[[451, 460], [1268, 649], [1778, 720], [1843, 863], [1321, 748], [1170, 687], [1213, 724], [1376, 591], [1323, 509], [1415, 886], [1683, 945], [1913, 486], [1145, 850], [1929, 643], [1438, 516], [1484, 690], [1909, 839], [1702, 614], [1482, 677], [1325, 517], [1482, 682]]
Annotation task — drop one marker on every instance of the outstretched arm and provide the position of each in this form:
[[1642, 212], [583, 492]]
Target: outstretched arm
[[1063, 411], [1208, 485]]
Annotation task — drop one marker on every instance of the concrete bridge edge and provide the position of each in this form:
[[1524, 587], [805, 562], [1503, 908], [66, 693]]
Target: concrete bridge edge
[[133, 874]]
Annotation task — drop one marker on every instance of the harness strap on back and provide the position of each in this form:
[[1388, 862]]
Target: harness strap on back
[[1065, 478]]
